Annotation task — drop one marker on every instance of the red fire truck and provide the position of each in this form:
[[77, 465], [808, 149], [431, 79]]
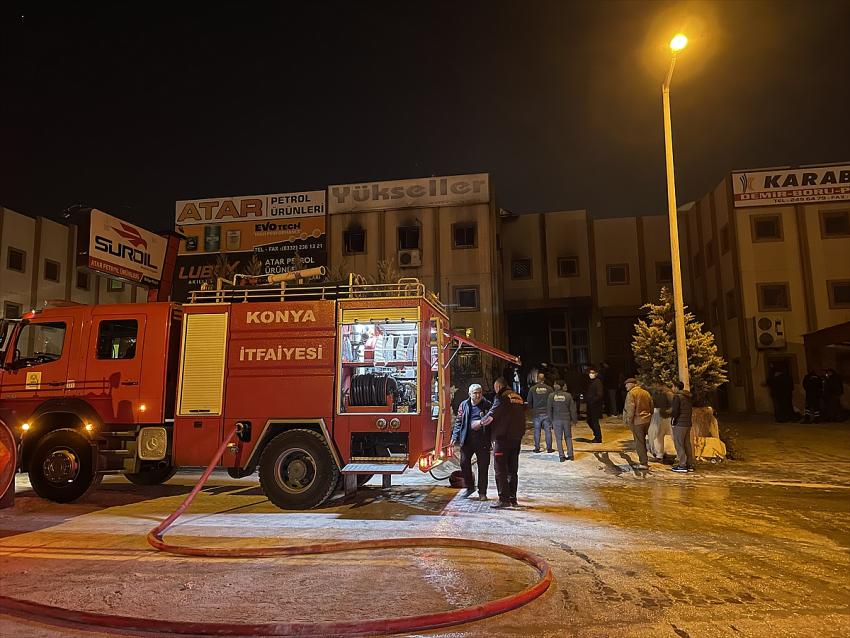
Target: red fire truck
[[326, 384]]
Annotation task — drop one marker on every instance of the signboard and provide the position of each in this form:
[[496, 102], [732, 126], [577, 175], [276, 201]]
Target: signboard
[[791, 186], [250, 208], [425, 192], [260, 234], [120, 249]]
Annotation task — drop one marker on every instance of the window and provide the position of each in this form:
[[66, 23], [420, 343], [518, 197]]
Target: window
[[51, 270], [12, 310], [698, 265], [354, 241], [16, 259], [408, 237], [773, 297], [709, 253], [725, 240], [834, 223], [731, 305], [464, 235], [663, 272], [466, 298], [116, 339], [618, 274], [839, 294], [567, 266], [766, 227], [114, 285], [83, 280], [521, 269], [40, 343]]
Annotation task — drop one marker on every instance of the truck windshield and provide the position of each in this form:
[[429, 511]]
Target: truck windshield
[[40, 343]]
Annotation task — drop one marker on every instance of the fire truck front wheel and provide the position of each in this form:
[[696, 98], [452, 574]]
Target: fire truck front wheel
[[297, 470], [62, 467]]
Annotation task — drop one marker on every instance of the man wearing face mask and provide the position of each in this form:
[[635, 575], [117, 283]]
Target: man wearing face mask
[[595, 397], [474, 439]]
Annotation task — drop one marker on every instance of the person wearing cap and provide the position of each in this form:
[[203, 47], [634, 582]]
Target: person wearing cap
[[474, 440], [562, 414], [637, 414]]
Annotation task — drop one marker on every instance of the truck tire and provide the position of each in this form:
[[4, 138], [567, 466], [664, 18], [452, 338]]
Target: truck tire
[[362, 479], [297, 470], [62, 467], [153, 476]]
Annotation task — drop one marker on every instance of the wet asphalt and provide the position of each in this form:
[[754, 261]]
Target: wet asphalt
[[756, 546]]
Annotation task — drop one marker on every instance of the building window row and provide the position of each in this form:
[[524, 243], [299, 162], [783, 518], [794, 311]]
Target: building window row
[[464, 235]]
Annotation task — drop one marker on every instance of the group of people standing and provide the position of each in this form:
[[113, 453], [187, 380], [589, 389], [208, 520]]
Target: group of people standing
[[823, 392], [482, 426]]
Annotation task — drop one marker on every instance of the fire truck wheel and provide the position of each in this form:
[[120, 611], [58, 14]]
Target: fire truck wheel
[[62, 467], [297, 470], [153, 476], [362, 479]]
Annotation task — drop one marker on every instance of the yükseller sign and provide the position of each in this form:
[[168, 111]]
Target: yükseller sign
[[791, 186], [410, 193]]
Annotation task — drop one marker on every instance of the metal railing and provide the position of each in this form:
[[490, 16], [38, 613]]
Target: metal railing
[[355, 287]]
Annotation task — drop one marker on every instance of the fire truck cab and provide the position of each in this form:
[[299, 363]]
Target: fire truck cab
[[322, 382]]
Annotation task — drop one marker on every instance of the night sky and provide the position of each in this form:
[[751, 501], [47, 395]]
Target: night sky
[[131, 106]]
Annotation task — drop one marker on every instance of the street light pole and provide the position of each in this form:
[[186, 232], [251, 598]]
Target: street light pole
[[676, 44]]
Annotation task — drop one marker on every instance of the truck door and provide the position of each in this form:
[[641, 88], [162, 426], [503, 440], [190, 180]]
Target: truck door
[[36, 365], [114, 364]]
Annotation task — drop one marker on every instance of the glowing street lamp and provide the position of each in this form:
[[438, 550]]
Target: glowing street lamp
[[678, 43]]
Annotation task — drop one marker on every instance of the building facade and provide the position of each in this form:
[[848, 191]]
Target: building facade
[[38, 265], [766, 272]]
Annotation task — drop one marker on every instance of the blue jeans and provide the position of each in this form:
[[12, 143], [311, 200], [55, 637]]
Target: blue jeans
[[542, 421]]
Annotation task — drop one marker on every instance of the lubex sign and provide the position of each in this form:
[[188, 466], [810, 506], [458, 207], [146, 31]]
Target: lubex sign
[[791, 186], [410, 193], [120, 249]]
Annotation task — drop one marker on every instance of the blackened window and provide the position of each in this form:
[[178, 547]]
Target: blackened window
[[766, 227], [52, 270], [464, 235], [16, 259], [567, 266], [773, 297], [466, 298], [839, 294], [83, 280], [731, 305], [116, 339], [835, 223], [663, 272], [354, 241], [408, 237], [617, 274], [521, 269]]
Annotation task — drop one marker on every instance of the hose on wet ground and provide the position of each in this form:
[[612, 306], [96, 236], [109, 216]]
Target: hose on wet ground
[[49, 614]]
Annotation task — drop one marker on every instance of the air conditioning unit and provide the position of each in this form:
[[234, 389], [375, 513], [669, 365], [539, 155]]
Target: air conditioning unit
[[770, 332], [410, 258]]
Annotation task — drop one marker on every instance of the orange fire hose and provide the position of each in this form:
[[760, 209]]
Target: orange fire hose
[[69, 617]]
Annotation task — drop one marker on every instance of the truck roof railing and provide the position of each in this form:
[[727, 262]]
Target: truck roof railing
[[255, 289]]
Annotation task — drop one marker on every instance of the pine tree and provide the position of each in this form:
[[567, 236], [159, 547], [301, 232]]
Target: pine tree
[[654, 347]]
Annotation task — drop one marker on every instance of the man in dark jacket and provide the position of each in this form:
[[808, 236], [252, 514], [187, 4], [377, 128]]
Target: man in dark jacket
[[507, 422], [781, 390], [595, 397], [681, 411], [538, 402], [813, 387], [474, 439], [833, 388], [562, 414]]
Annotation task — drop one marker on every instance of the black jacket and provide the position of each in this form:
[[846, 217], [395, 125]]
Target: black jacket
[[463, 421], [682, 409], [813, 385], [507, 416], [595, 397]]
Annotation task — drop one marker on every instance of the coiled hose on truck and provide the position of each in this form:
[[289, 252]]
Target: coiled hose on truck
[[58, 615]]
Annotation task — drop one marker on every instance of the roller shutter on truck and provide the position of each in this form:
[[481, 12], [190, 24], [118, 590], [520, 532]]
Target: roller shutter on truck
[[202, 364]]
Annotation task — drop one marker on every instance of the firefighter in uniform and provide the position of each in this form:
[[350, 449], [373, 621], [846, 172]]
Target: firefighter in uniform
[[507, 422], [474, 439]]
